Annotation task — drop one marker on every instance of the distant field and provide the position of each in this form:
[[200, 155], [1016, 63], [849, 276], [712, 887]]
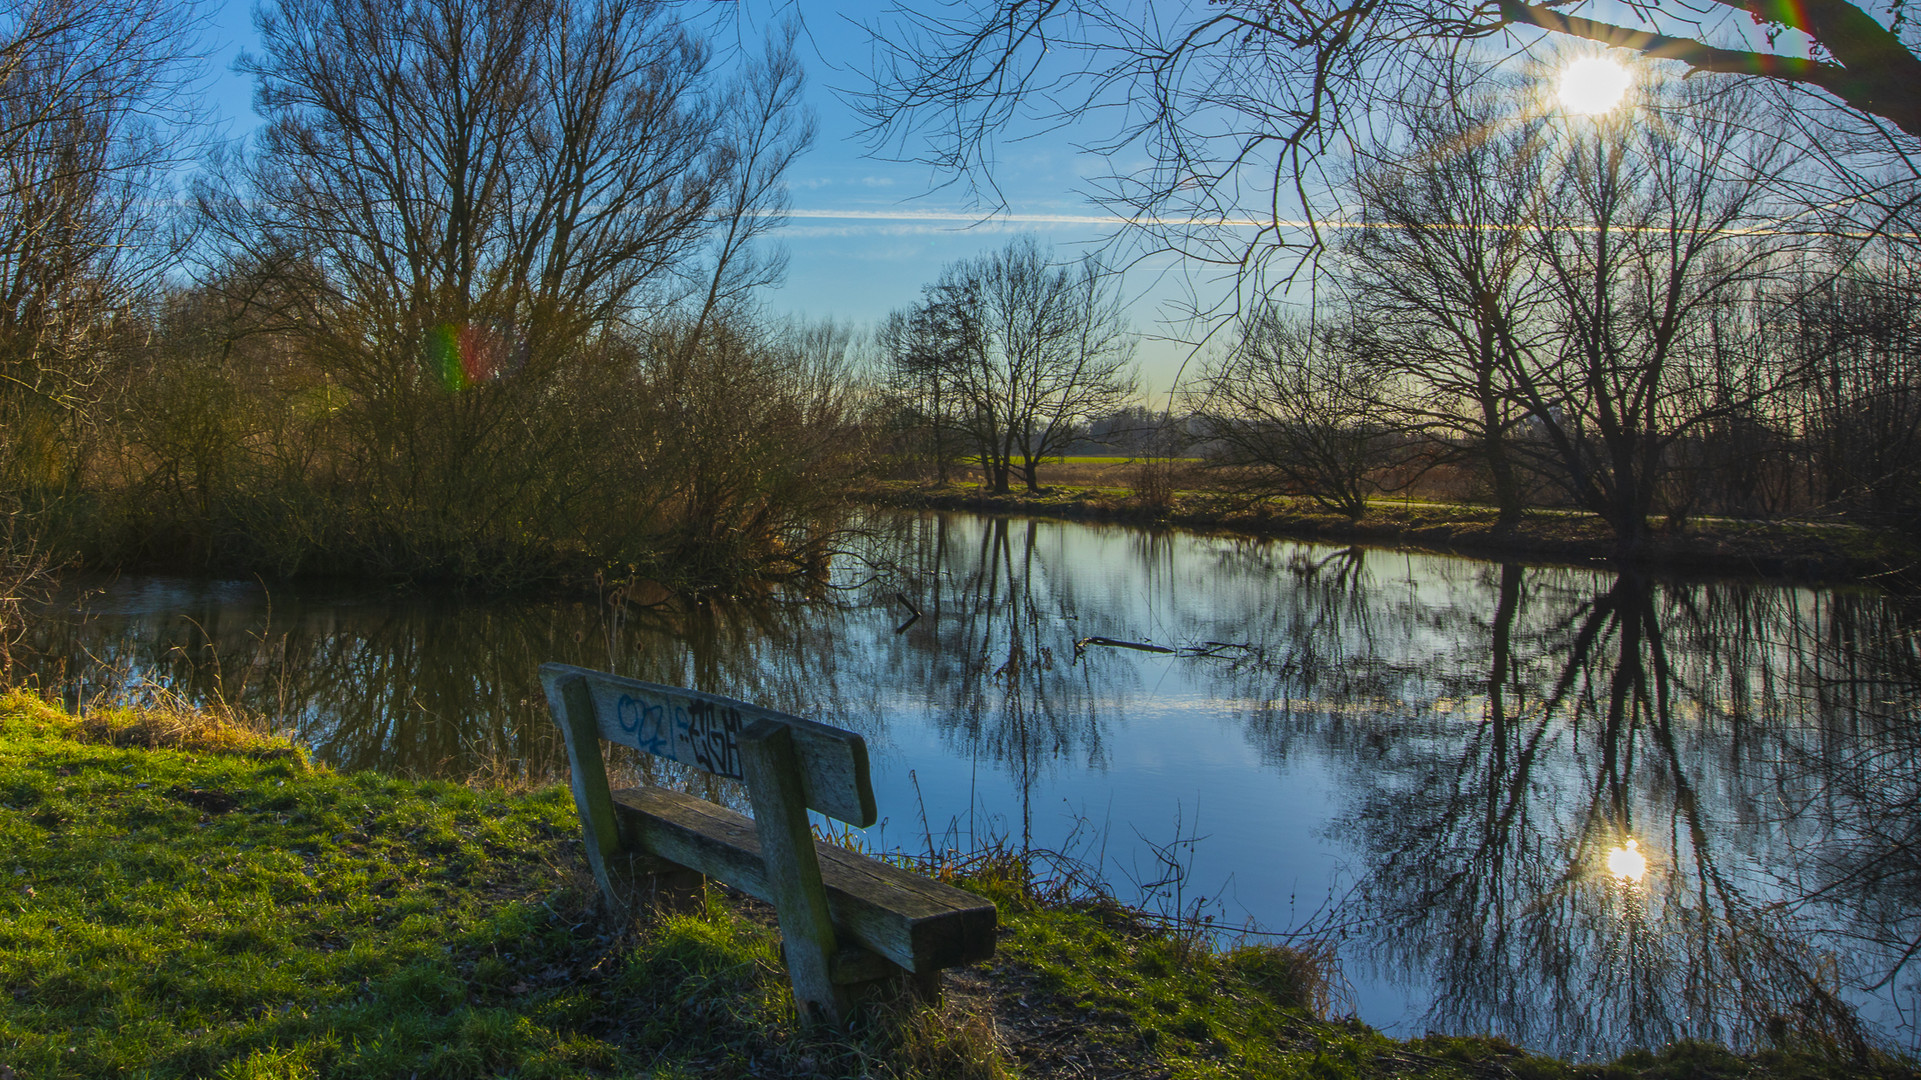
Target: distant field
[[1101, 470], [1095, 459]]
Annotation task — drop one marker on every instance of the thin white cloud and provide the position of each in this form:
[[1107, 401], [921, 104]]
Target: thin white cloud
[[963, 218], [895, 228], [927, 221]]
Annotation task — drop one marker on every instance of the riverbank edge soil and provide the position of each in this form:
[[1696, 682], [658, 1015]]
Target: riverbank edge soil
[[1808, 552], [182, 895]]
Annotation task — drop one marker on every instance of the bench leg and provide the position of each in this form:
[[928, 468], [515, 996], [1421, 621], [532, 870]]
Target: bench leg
[[895, 985], [772, 771], [611, 859], [675, 890], [924, 985], [866, 976], [634, 881]]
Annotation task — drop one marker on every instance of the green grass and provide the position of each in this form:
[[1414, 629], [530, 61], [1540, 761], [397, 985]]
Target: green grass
[[236, 912], [1138, 992], [173, 913], [180, 897]]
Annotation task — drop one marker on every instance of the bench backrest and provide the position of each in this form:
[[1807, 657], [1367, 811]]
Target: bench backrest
[[702, 730]]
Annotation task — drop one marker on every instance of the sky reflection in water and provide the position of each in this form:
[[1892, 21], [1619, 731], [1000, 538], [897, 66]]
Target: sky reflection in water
[[1432, 760]]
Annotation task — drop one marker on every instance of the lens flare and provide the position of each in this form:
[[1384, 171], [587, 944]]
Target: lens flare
[[466, 355], [1627, 862], [1593, 85]]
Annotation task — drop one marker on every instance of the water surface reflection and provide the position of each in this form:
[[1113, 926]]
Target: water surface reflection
[[1432, 759]]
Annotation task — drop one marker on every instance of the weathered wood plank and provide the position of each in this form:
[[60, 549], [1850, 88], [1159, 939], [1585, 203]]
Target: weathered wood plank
[[919, 924], [703, 730], [772, 772], [600, 831]]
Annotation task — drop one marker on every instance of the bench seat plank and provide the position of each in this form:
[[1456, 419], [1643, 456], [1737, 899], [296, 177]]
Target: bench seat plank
[[919, 924]]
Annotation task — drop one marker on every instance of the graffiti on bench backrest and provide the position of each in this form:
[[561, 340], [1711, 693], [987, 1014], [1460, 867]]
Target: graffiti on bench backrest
[[697, 733], [704, 731]]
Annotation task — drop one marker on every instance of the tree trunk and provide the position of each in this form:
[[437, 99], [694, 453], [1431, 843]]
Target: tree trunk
[[1507, 487]]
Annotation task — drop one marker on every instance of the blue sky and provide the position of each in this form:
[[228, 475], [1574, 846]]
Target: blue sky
[[867, 233]]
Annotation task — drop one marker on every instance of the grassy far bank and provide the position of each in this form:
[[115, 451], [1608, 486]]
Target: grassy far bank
[[1812, 551], [180, 897]]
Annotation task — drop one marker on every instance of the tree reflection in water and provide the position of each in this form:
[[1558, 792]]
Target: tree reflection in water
[[426, 687], [1483, 737], [1498, 760], [1596, 726], [987, 664]]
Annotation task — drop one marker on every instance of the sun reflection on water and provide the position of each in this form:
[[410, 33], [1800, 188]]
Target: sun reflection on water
[[1627, 862]]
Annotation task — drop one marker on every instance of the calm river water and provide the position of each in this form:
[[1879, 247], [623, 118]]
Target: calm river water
[[1425, 760]]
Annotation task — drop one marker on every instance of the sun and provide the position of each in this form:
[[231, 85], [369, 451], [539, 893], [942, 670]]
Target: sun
[[1592, 85]]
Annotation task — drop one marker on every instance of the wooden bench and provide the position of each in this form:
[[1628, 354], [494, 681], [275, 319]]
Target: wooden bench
[[845, 920]]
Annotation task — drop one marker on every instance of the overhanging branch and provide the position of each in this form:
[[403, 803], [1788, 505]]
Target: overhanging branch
[[1877, 75]]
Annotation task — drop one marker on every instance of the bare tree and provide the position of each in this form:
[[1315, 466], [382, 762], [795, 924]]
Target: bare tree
[[530, 164], [1858, 348], [919, 347], [1294, 409], [1445, 273], [1656, 227], [1742, 458], [1025, 352], [95, 111], [764, 127], [739, 447], [1235, 110], [467, 207]]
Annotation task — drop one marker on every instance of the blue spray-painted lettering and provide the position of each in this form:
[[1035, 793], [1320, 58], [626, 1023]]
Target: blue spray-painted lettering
[[646, 722], [682, 732], [627, 714]]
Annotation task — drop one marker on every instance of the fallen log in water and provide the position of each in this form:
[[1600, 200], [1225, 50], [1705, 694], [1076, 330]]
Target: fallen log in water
[[1115, 643]]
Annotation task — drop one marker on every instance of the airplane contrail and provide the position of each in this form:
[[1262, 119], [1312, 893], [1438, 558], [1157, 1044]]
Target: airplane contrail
[[958, 216], [925, 217]]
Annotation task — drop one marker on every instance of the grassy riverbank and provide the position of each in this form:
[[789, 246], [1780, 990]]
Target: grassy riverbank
[[1806, 551], [182, 897]]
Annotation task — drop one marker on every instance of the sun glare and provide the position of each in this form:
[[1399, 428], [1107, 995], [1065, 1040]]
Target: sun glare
[[1592, 85], [1627, 862]]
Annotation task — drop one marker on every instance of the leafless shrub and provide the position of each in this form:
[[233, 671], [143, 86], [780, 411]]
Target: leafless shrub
[[24, 579], [93, 119], [1292, 409], [1153, 484]]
